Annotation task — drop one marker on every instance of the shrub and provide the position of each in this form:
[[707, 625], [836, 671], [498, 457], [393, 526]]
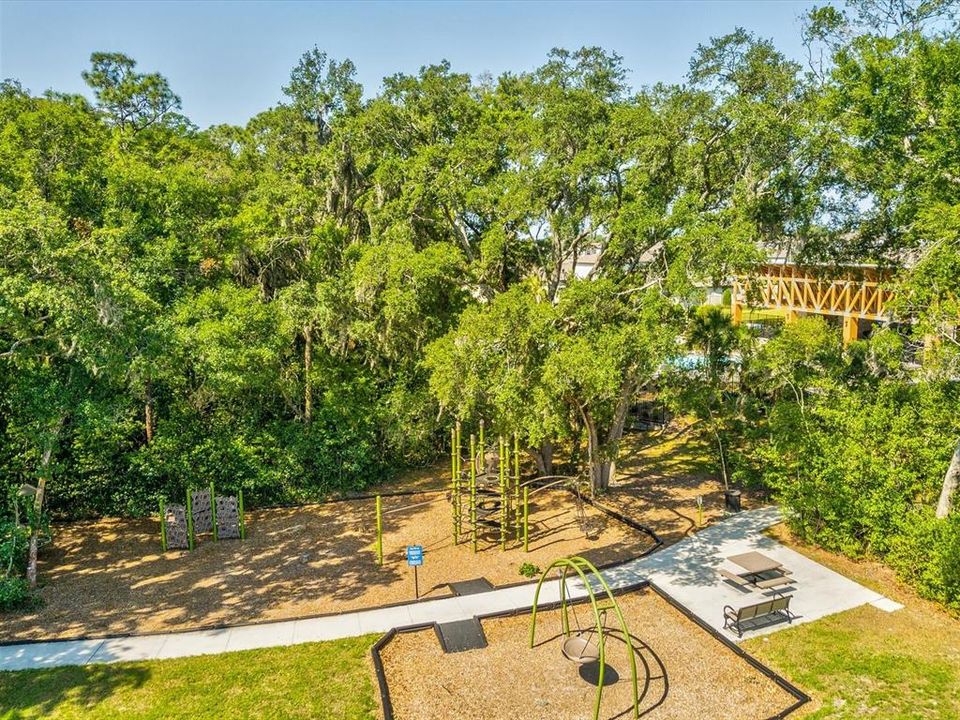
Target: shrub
[[15, 594], [529, 570]]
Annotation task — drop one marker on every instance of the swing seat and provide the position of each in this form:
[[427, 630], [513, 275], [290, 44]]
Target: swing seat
[[580, 650]]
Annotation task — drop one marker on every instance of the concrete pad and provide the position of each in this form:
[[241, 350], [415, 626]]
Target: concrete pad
[[201, 642], [248, 637], [130, 649], [47, 654], [887, 605]]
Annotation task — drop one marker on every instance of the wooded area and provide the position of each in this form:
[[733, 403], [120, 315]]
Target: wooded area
[[303, 305]]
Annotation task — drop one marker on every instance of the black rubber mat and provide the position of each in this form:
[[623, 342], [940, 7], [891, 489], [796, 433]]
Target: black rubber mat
[[471, 587], [461, 635]]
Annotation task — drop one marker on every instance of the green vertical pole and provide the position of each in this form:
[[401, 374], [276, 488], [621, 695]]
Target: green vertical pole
[[453, 481], [526, 519], [483, 451], [213, 512], [503, 498], [189, 520], [163, 526], [516, 486], [459, 451], [459, 475], [473, 477], [379, 531], [473, 489], [243, 525]]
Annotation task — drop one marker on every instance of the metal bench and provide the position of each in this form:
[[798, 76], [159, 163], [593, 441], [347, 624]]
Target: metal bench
[[778, 606]]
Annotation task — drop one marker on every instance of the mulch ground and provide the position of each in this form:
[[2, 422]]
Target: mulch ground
[[683, 672], [661, 474], [109, 576]]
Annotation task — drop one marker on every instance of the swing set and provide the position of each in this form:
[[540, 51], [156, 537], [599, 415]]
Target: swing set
[[588, 646]]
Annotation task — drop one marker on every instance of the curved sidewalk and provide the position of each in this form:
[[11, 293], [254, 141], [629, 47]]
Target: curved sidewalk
[[687, 571]]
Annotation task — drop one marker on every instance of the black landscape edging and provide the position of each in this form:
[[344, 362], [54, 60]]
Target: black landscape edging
[[629, 522], [419, 627], [801, 697]]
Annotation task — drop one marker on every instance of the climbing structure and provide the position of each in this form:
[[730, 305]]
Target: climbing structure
[[204, 512], [580, 646], [485, 495]]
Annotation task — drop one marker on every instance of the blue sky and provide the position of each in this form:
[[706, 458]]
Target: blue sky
[[228, 60]]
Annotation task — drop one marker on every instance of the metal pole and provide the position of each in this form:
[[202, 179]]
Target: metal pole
[[503, 496], [163, 526], [243, 525], [516, 485], [473, 489], [213, 512], [189, 521], [453, 479], [526, 519], [483, 451], [379, 531]]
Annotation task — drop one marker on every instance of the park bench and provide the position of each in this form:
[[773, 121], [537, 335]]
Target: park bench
[[778, 606]]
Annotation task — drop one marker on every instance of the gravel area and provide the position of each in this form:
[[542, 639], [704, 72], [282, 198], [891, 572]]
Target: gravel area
[[683, 672]]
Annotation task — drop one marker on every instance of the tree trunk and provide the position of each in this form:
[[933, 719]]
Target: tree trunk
[[599, 474], [148, 414], [307, 368], [951, 481], [38, 508], [543, 457]]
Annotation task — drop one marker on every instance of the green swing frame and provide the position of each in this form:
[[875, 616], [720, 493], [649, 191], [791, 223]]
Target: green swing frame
[[583, 567]]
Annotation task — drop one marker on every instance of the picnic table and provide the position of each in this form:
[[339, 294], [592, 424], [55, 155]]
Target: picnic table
[[760, 571], [755, 563]]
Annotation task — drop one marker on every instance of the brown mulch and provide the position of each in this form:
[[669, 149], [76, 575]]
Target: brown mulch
[[661, 475], [683, 672], [109, 576]]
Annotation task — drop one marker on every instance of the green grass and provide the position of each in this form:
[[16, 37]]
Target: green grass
[[320, 681], [868, 663]]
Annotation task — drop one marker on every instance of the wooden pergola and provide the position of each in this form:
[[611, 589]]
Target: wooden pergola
[[854, 294]]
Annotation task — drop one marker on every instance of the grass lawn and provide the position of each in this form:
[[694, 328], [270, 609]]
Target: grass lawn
[[320, 681], [866, 662]]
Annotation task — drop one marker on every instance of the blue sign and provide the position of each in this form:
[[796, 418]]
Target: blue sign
[[414, 555]]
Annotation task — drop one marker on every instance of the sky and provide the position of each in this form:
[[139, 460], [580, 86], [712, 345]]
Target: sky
[[229, 60]]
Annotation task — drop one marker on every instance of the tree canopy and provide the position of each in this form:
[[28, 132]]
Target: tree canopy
[[303, 304]]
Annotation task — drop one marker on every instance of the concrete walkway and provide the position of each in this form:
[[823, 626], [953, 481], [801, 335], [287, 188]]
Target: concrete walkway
[[687, 571]]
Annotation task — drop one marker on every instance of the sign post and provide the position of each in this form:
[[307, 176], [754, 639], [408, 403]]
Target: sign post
[[415, 560]]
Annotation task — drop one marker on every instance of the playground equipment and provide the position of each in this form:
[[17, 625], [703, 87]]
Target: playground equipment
[[583, 647], [485, 496], [204, 512], [488, 497]]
